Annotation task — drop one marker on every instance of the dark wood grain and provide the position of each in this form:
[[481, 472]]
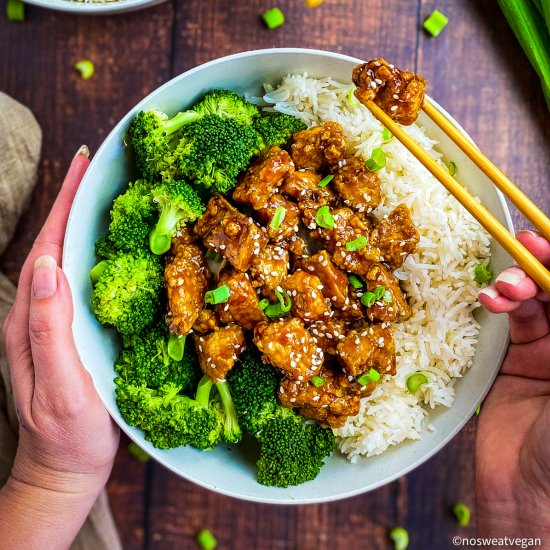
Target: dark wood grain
[[476, 70]]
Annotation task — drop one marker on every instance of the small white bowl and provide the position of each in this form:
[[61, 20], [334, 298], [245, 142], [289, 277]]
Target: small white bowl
[[95, 8], [229, 469]]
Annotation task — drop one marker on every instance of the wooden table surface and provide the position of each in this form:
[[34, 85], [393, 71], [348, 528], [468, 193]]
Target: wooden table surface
[[475, 69]]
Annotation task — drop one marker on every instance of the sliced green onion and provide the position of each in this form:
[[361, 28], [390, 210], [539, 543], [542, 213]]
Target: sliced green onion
[[478, 410], [176, 346], [371, 376], [368, 299], [435, 23], [355, 281], [263, 303], [137, 452], [414, 381], [357, 244], [377, 160], [482, 274], [388, 297], [325, 181], [97, 271], [386, 134], [273, 18], [218, 295], [15, 10], [213, 255], [206, 540], [85, 67], [451, 166], [462, 514], [280, 309], [317, 381], [400, 538], [351, 97], [323, 218], [278, 217], [379, 291]]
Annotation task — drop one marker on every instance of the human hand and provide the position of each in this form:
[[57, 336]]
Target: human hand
[[67, 441], [512, 449]]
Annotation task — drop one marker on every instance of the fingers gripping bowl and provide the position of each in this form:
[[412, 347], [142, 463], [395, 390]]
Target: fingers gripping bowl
[[230, 469]]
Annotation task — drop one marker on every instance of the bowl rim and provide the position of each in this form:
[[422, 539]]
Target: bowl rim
[[94, 8], [412, 464]]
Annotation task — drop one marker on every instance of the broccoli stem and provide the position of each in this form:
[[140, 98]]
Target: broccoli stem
[[97, 271], [231, 426], [203, 391], [175, 123], [160, 237]]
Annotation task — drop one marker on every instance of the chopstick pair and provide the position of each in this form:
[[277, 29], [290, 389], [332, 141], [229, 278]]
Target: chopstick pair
[[540, 221]]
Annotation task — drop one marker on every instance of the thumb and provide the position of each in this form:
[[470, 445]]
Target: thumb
[[55, 359]]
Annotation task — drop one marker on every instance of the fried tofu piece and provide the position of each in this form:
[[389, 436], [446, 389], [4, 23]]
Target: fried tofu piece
[[218, 351], [366, 348], [400, 94], [327, 333], [269, 269], [334, 281], [290, 223], [230, 233], [186, 283], [319, 147], [263, 177], [396, 237], [306, 292], [207, 321], [356, 185], [242, 306], [287, 345], [353, 310], [303, 185]]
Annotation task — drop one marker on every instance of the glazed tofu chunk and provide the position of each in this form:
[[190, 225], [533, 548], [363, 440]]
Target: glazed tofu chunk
[[230, 233], [269, 269], [327, 333], [186, 283], [366, 348], [242, 307], [319, 147], [207, 321], [290, 223], [396, 237], [263, 178], [287, 345], [303, 185], [356, 185], [306, 293], [219, 350], [334, 281]]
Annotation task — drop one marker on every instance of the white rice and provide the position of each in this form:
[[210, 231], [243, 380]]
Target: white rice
[[441, 336]]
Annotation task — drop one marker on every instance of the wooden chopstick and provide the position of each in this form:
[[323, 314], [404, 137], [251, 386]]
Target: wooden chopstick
[[523, 257], [517, 197]]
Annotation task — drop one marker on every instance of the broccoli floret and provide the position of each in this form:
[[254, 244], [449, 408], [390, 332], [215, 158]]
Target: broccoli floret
[[227, 104], [132, 216], [154, 136], [292, 449], [145, 359], [253, 387], [178, 204], [213, 151], [277, 129], [104, 247], [127, 292], [168, 418]]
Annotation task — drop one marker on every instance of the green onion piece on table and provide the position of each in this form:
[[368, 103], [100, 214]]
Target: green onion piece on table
[[15, 10], [371, 376], [324, 218], [137, 452], [357, 244], [451, 166], [435, 23], [478, 410], [278, 217], [482, 274], [280, 309], [317, 381], [213, 255], [176, 346], [386, 134], [218, 295], [325, 181], [400, 538], [462, 514], [377, 160], [355, 281], [414, 381], [368, 299], [263, 303], [273, 18], [206, 540], [85, 67]]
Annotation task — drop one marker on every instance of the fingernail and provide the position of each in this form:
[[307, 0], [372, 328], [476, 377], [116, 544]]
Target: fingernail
[[44, 279], [530, 232], [490, 292], [83, 152], [511, 277]]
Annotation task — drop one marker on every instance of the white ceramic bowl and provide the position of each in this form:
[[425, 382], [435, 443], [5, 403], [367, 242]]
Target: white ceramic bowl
[[229, 470], [95, 8]]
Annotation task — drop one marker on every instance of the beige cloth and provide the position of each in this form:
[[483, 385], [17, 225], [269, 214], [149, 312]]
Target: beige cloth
[[20, 141]]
